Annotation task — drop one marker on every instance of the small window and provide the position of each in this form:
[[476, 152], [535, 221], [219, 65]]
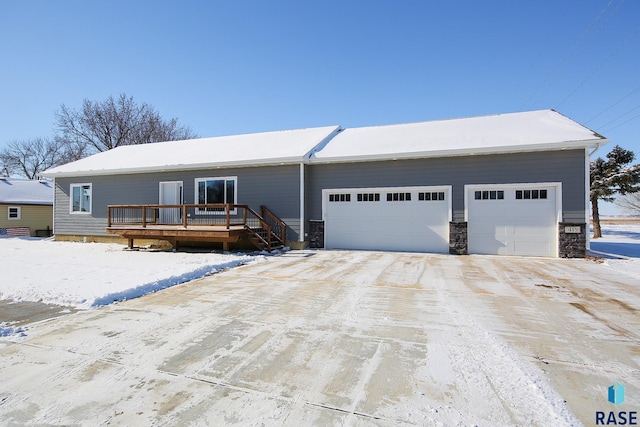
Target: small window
[[531, 194], [489, 195], [339, 197], [398, 197], [215, 191], [368, 197], [433, 196], [81, 198], [14, 213]]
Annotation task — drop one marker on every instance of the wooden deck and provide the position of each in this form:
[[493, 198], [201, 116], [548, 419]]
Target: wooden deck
[[219, 223]]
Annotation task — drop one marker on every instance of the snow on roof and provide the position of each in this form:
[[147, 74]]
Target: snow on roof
[[504, 133], [25, 192], [290, 146]]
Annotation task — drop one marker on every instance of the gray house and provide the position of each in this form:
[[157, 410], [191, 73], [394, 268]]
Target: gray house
[[512, 184]]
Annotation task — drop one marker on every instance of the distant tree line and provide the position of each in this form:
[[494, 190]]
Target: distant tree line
[[97, 126]]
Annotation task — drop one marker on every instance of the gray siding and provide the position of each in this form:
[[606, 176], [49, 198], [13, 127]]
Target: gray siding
[[567, 167], [276, 187]]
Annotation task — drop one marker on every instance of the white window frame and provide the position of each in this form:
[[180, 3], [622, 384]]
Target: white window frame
[[217, 178], [18, 210], [81, 186]]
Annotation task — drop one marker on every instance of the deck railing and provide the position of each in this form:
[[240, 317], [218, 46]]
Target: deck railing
[[268, 227]]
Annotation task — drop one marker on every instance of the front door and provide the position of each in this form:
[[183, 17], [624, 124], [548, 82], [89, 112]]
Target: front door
[[171, 194]]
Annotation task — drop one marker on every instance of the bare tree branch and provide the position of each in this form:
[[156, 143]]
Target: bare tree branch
[[102, 126], [31, 157]]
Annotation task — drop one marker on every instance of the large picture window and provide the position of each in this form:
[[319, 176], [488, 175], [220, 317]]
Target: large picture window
[[216, 191], [81, 198]]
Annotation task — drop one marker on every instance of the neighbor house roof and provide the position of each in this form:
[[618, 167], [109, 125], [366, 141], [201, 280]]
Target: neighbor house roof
[[267, 148], [25, 192], [503, 133]]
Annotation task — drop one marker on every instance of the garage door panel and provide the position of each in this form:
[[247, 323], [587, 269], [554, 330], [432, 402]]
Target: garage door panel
[[402, 225], [512, 225]]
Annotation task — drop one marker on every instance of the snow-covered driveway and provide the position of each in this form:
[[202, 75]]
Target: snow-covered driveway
[[340, 338]]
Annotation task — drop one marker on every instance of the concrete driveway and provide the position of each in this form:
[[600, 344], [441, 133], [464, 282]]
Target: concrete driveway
[[340, 338]]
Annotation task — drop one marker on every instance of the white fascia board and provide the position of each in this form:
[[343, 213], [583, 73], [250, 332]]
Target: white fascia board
[[566, 145]]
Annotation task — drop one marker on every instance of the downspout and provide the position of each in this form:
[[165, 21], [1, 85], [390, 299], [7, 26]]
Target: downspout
[[53, 221], [587, 177], [307, 160], [301, 236]]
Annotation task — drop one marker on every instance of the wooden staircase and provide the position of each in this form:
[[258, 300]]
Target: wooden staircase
[[270, 234]]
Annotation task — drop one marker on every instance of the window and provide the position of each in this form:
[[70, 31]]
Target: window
[[81, 198], [531, 194], [216, 191], [339, 197], [368, 197], [398, 197], [14, 213], [432, 196], [489, 195]]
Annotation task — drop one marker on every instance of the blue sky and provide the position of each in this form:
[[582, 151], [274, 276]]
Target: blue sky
[[250, 66]]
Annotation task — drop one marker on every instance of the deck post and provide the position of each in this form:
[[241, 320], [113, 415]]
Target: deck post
[[144, 217], [130, 243], [184, 216], [228, 210]]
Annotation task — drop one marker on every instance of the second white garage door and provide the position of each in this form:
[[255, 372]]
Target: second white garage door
[[513, 219], [396, 218]]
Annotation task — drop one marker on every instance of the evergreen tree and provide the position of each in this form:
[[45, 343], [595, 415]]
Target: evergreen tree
[[611, 177]]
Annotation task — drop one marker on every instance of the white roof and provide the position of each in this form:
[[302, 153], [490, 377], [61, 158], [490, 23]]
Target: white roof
[[25, 192], [267, 148], [504, 133]]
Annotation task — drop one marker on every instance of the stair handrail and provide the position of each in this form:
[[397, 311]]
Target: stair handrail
[[280, 229], [264, 224]]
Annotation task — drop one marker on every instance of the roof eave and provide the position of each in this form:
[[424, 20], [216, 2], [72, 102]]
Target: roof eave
[[173, 168], [565, 145], [26, 202]]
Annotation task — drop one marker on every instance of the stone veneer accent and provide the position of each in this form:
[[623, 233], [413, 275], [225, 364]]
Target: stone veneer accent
[[316, 234], [458, 240], [572, 244]]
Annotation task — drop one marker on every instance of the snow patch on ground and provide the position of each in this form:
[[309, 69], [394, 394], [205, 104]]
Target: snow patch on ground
[[85, 275], [620, 247]]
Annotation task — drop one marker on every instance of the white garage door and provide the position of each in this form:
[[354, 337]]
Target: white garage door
[[512, 220], [398, 219]]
